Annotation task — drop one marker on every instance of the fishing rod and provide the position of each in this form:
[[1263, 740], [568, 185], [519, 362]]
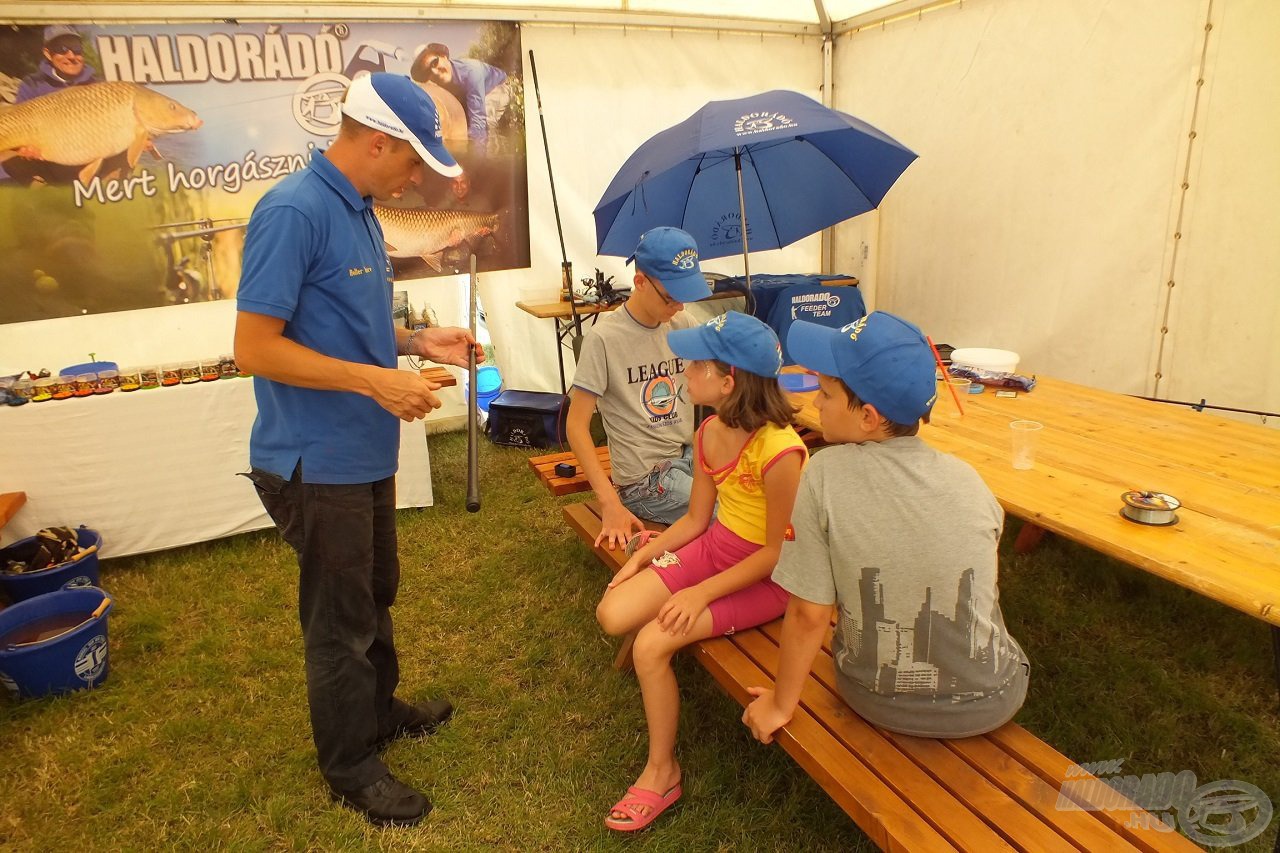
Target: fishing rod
[[566, 269], [473, 409]]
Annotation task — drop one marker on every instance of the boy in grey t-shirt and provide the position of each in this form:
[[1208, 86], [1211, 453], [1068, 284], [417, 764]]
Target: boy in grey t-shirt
[[627, 371], [902, 539]]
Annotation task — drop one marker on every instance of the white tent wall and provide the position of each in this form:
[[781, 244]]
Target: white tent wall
[[605, 90], [1040, 217]]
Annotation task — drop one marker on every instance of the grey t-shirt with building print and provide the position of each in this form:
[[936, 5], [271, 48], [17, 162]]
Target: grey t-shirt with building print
[[904, 538], [640, 390]]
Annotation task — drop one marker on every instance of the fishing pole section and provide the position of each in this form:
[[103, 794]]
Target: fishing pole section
[[566, 268], [473, 407]]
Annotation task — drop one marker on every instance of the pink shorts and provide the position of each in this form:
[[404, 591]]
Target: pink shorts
[[709, 555]]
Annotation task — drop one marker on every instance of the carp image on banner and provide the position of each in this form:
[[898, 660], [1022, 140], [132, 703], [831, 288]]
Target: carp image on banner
[[431, 234], [84, 125]]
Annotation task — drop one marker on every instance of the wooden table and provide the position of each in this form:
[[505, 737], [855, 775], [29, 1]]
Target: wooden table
[[1097, 444]]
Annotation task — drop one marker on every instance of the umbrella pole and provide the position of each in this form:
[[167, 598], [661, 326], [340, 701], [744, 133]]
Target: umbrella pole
[[742, 215]]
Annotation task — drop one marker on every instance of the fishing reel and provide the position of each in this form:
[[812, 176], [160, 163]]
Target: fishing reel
[[601, 290]]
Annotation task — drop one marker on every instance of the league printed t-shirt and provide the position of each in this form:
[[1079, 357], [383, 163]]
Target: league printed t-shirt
[[641, 393], [905, 538]]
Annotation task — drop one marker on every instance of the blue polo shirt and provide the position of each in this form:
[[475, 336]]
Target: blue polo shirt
[[314, 257]]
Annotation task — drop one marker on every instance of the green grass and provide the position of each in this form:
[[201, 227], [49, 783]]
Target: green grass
[[200, 737]]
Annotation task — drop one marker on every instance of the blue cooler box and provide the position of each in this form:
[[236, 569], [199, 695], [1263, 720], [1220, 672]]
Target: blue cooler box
[[528, 419], [780, 300]]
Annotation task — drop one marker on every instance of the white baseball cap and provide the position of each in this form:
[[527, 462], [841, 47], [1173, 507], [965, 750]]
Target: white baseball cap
[[395, 105]]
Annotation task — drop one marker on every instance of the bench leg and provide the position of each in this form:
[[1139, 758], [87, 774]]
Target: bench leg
[[1275, 651], [622, 661], [1028, 538]]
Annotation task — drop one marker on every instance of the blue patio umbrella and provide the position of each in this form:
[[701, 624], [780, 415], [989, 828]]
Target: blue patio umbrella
[[780, 161]]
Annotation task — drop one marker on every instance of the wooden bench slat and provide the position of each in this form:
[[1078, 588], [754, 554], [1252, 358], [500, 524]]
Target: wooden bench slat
[[1011, 819], [896, 768], [544, 468], [1037, 795], [891, 823], [1052, 767]]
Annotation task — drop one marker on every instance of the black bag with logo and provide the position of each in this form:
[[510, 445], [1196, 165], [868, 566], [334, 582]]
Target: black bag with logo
[[528, 419]]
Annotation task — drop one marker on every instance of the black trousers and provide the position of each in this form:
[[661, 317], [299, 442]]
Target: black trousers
[[345, 538]]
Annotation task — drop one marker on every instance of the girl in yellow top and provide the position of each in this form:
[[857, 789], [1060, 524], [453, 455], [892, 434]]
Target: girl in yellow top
[[702, 577]]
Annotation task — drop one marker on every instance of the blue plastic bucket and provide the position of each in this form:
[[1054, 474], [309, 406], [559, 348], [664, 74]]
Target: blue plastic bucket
[[70, 661], [488, 386], [82, 571]]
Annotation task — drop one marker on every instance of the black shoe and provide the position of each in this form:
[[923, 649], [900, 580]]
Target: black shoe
[[387, 802], [417, 720]]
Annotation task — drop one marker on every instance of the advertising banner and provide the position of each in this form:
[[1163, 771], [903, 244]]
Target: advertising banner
[[131, 156]]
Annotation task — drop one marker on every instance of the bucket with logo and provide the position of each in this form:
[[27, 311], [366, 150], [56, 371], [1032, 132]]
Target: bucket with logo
[[55, 557], [55, 643]]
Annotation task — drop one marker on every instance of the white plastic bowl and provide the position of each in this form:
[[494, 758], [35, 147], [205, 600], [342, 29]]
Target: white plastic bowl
[[999, 360]]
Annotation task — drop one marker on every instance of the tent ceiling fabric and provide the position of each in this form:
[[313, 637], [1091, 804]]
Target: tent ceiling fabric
[[793, 15]]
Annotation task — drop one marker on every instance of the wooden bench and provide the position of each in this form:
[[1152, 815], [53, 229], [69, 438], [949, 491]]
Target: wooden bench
[[998, 791], [544, 466]]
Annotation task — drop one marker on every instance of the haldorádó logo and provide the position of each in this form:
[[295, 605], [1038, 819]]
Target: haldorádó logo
[[686, 260], [761, 123]]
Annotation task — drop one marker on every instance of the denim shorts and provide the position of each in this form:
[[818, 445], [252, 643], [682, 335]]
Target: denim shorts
[[663, 496]]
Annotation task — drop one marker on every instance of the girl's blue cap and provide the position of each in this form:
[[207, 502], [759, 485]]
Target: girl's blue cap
[[734, 338]]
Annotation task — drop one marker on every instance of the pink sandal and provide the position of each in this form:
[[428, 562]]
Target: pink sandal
[[634, 801]]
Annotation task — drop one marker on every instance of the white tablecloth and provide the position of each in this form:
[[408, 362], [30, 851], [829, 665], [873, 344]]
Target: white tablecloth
[[153, 469]]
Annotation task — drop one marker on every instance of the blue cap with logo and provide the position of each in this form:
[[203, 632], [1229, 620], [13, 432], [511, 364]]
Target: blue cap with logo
[[399, 107], [734, 338], [883, 359], [671, 256]]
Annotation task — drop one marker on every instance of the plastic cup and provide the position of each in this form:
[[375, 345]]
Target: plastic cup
[[170, 374], [42, 389], [1026, 435], [961, 387], [85, 383], [189, 371], [130, 378], [210, 369], [24, 388], [227, 366], [108, 381]]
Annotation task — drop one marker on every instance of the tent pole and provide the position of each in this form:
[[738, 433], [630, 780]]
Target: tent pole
[[742, 213]]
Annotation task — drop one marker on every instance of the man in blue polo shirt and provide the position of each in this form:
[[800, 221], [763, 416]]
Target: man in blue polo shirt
[[314, 327]]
